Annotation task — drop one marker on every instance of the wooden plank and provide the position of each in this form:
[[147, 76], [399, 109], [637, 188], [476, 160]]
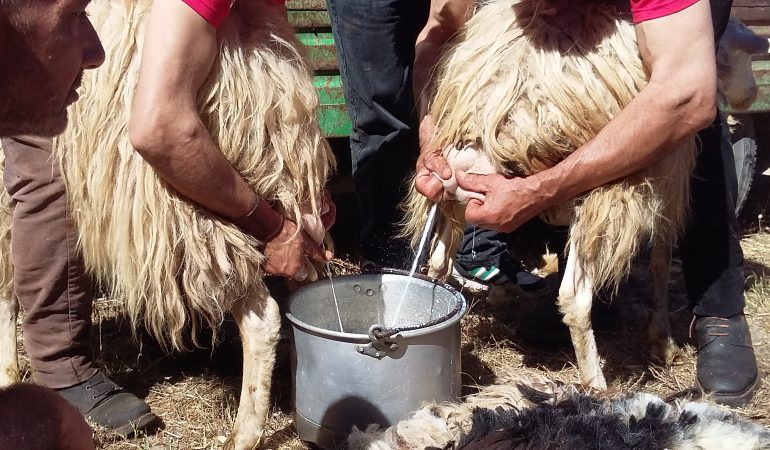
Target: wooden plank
[[335, 121], [762, 30], [755, 14], [329, 88], [310, 5], [309, 19], [321, 51], [749, 3], [761, 72]]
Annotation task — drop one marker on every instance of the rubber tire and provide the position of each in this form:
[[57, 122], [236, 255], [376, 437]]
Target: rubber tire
[[744, 142]]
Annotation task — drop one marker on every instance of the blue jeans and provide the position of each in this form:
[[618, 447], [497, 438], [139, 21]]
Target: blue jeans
[[375, 47]]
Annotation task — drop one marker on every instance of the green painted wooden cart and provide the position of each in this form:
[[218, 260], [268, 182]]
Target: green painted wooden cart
[[311, 21]]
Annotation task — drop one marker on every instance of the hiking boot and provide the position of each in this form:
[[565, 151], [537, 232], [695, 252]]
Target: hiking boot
[[506, 272], [106, 404], [726, 368]]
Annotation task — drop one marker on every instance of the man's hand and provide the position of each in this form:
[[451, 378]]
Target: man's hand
[[285, 253], [508, 202], [430, 164]]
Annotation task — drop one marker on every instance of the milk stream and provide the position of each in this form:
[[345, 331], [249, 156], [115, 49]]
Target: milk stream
[[334, 294], [416, 262]]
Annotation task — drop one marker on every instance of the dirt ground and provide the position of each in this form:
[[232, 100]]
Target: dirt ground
[[196, 393]]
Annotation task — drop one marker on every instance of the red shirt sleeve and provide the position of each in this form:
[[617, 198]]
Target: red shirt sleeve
[[214, 11], [643, 10]]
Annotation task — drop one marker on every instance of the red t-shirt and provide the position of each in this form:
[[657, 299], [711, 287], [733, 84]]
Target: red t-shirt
[[215, 11], [642, 10]]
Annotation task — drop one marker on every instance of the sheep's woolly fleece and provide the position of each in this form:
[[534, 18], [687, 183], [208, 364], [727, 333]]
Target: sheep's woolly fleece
[[518, 416], [178, 267]]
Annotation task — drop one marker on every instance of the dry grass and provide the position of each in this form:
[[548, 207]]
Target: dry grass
[[196, 393]]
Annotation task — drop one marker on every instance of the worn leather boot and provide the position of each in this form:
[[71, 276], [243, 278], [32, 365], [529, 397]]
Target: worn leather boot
[[106, 404], [727, 368]]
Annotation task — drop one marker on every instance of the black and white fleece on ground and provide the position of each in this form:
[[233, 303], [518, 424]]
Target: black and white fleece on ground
[[531, 419]]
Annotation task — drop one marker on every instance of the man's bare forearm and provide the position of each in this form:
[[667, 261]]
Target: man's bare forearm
[[640, 135], [678, 101], [165, 127], [445, 20]]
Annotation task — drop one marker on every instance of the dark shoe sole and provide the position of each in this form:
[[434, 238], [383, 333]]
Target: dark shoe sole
[[128, 430], [734, 400]]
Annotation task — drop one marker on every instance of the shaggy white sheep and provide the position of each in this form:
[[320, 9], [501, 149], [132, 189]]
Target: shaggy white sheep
[[176, 266], [518, 97]]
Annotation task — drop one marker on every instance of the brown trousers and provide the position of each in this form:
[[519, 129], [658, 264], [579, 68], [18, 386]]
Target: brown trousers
[[49, 277]]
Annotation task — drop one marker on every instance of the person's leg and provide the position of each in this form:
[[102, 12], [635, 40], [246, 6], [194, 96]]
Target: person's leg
[[49, 280], [54, 291], [710, 247], [375, 47], [483, 258], [712, 265]]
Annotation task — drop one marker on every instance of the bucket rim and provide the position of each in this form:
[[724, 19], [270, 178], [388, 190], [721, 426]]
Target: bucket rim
[[447, 322]]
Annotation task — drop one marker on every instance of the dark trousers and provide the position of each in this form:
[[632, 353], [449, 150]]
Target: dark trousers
[[712, 259], [49, 278], [375, 47], [481, 248]]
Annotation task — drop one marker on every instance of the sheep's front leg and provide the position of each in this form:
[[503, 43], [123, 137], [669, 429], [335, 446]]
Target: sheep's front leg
[[9, 366], [663, 347], [575, 299], [259, 322]]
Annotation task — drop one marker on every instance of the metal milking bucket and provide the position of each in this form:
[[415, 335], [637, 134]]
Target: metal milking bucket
[[376, 370]]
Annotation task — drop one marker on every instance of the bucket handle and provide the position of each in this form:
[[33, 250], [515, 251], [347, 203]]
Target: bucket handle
[[378, 347], [379, 344]]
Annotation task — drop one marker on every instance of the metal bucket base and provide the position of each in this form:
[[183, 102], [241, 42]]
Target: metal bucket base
[[314, 433], [347, 379]]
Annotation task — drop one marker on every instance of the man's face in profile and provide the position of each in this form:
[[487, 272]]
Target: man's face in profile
[[44, 47]]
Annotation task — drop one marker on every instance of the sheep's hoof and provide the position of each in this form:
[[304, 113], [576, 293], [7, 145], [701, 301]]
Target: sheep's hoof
[[597, 383], [666, 351], [600, 385], [230, 443]]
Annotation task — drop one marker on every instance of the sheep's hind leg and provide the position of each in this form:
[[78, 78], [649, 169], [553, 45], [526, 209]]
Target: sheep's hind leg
[[575, 301], [9, 365], [662, 345], [440, 261], [259, 322]]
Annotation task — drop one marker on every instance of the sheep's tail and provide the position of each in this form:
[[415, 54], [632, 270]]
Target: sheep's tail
[[612, 221]]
